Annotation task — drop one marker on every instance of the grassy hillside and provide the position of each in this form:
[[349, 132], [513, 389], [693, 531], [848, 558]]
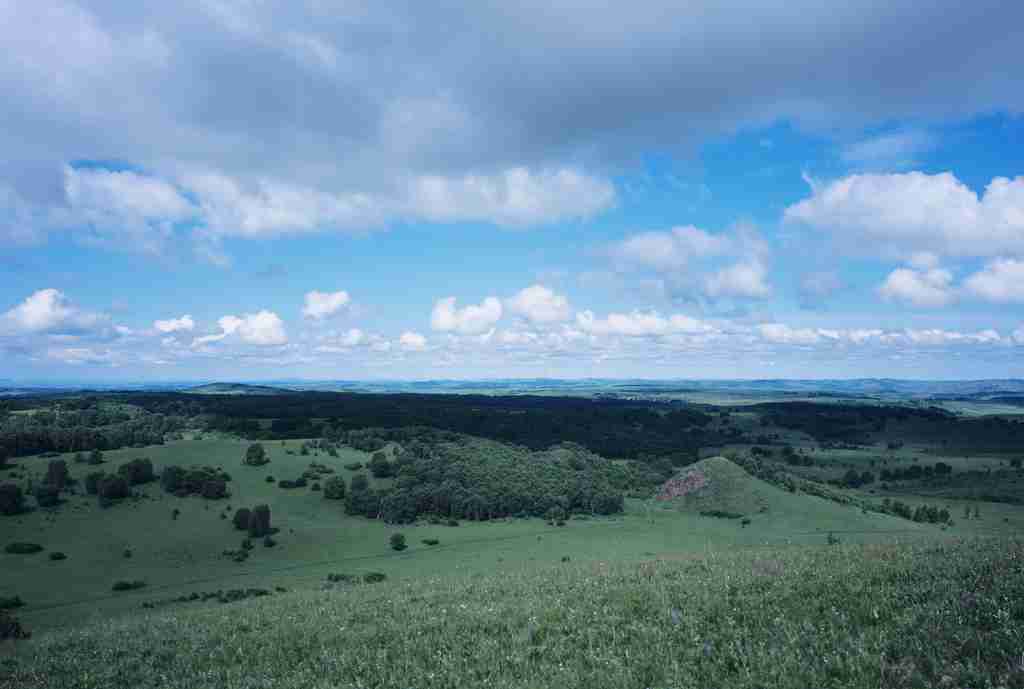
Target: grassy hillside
[[845, 616]]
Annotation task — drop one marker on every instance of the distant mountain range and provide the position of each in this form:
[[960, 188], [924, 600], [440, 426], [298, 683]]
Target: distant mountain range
[[1006, 389]]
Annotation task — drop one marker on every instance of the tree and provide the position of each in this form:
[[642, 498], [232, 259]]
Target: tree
[[334, 488], [137, 471], [241, 518], [12, 500], [96, 457], [259, 521], [57, 474], [398, 542], [47, 495], [255, 455], [379, 466], [4, 455]]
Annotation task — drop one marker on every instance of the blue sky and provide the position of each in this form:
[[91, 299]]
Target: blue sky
[[228, 189]]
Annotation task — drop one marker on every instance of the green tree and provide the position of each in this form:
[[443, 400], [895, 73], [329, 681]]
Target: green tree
[[334, 488], [255, 455], [398, 542]]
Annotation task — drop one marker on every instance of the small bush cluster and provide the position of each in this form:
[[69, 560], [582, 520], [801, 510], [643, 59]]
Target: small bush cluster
[[255, 521], [57, 556], [46, 495], [255, 455], [721, 514], [317, 471], [335, 488], [124, 585], [430, 541], [137, 471], [928, 514], [111, 489], [10, 628], [368, 578], [57, 474], [300, 482], [11, 602], [354, 466], [19, 548], [12, 499], [398, 542], [220, 595], [207, 482]]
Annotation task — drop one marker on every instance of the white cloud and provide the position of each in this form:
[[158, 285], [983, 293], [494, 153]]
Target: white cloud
[[912, 212], [639, 324], [538, 304], [898, 149], [412, 341], [670, 250], [174, 325], [353, 338], [923, 288], [469, 320], [780, 333], [320, 305], [1018, 335], [49, 310], [514, 197], [1000, 281], [745, 279], [264, 328]]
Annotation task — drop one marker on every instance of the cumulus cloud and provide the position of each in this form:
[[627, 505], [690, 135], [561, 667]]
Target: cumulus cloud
[[1001, 281], [539, 304], [928, 288], [49, 310], [263, 328], [174, 325], [469, 320], [893, 150], [747, 279], [639, 324], [902, 214], [412, 341], [670, 250], [320, 305]]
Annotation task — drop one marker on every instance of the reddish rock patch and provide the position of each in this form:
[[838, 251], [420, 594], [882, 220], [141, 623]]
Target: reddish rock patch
[[682, 485]]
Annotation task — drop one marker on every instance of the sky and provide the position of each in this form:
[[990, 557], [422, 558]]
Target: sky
[[260, 190]]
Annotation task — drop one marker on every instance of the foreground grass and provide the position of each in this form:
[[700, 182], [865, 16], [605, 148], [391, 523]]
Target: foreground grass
[[846, 616]]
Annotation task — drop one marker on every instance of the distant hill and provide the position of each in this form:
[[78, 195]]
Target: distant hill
[[236, 389]]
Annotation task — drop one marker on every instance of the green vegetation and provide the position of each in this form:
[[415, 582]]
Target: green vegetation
[[849, 616]]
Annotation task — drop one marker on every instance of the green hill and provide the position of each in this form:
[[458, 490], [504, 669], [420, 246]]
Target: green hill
[[236, 389]]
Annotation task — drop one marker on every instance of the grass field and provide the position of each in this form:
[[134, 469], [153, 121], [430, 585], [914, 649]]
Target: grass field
[[842, 616]]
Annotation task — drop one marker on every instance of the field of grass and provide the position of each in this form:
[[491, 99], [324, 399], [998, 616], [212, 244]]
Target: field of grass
[[184, 555], [934, 614]]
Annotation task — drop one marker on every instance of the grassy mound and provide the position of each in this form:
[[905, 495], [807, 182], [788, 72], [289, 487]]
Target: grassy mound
[[717, 485], [936, 615]]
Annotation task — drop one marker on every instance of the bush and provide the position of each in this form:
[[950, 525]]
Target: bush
[[92, 482], [56, 474], [380, 467], [334, 488], [171, 478], [259, 521], [721, 514], [270, 479], [398, 542], [112, 488], [19, 548], [128, 585], [214, 489], [7, 603], [255, 455], [241, 518], [452, 522], [354, 466], [10, 628], [96, 457], [430, 541], [269, 542], [315, 486], [374, 577], [57, 555], [46, 495], [342, 578], [137, 471], [12, 500]]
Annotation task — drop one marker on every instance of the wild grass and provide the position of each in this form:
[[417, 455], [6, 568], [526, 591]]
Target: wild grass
[[841, 616]]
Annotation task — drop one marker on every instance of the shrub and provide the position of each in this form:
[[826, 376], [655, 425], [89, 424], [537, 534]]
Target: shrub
[[46, 495], [430, 541], [832, 539], [19, 548], [721, 514], [315, 486], [57, 555], [127, 553], [137, 471], [7, 603], [128, 585], [12, 500], [354, 466], [214, 489], [241, 518], [380, 467], [112, 488], [247, 544], [270, 479], [171, 478], [57, 474], [255, 455], [342, 578], [269, 542], [92, 482], [334, 488], [374, 577], [745, 521], [175, 513], [259, 521], [452, 522], [10, 628], [96, 457], [398, 542], [79, 458]]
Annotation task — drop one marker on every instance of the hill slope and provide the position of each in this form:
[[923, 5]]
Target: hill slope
[[236, 389]]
